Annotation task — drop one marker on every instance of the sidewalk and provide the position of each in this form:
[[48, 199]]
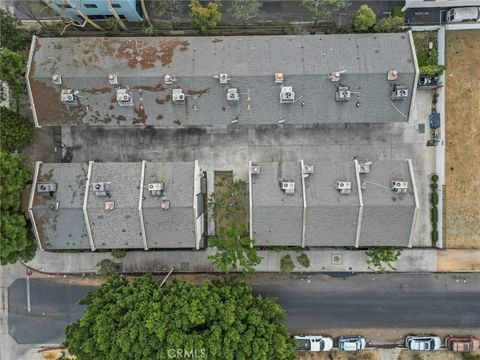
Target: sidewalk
[[328, 260]]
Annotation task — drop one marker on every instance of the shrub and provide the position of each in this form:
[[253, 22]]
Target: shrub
[[382, 254], [364, 19], [286, 264], [303, 260], [431, 70], [434, 214], [470, 356], [105, 267], [434, 178], [390, 25], [434, 198], [150, 31], [434, 186], [119, 253], [112, 25], [434, 236], [205, 18], [16, 131]]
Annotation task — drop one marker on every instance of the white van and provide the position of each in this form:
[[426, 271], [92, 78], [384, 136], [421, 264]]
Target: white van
[[463, 14]]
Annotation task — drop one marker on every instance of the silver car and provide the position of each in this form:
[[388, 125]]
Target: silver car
[[423, 342]]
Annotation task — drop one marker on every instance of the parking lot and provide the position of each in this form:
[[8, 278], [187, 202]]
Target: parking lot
[[231, 148]]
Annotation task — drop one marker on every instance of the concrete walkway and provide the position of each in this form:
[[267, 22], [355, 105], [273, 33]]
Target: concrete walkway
[[197, 261]]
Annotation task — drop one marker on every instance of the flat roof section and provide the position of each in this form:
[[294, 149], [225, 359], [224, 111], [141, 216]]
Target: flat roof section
[[57, 206], [168, 213], [82, 66], [277, 216], [332, 204], [112, 205]]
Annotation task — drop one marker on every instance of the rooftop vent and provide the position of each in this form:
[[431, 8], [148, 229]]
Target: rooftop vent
[[46, 187], [232, 95], [392, 75], [279, 78], [307, 170], [399, 92], [335, 75], [178, 96], [287, 96], [54, 205], [169, 79], [165, 204], [156, 189], [57, 79], [399, 186], [344, 187], [109, 205], [223, 78], [342, 94], [288, 186], [67, 96], [124, 98], [112, 79], [101, 188], [255, 169], [364, 168]]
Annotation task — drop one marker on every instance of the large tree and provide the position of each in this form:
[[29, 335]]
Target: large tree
[[16, 131], [12, 69], [15, 239], [205, 18], [245, 10], [364, 19], [216, 320], [12, 34], [323, 9]]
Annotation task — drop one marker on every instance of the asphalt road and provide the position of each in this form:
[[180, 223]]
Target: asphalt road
[[382, 307]]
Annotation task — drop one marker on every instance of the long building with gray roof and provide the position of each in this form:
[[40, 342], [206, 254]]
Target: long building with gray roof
[[347, 204], [142, 205], [218, 81]]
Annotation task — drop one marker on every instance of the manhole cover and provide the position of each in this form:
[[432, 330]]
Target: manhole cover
[[337, 259], [421, 128], [184, 266]]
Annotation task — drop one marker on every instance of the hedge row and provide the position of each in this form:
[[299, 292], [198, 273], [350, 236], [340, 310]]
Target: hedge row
[[434, 209]]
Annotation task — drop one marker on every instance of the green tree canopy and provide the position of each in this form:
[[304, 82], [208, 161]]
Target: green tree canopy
[[16, 131], [205, 18], [244, 10], [380, 255], [12, 34], [217, 320], [14, 175], [16, 242], [323, 9], [364, 19], [12, 71]]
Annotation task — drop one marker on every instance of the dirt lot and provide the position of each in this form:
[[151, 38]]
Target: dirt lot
[[462, 167]]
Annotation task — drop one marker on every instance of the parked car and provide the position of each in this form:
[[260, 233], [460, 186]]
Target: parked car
[[462, 343], [463, 14], [423, 342], [352, 343], [314, 343]]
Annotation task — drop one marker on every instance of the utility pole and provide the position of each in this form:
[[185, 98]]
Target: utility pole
[[166, 276], [28, 272]]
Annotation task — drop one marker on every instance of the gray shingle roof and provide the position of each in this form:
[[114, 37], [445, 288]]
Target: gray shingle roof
[[120, 227], [277, 217], [387, 216], [173, 228], [63, 228], [251, 62], [332, 218]]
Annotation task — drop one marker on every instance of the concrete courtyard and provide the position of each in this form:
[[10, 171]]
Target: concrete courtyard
[[233, 146]]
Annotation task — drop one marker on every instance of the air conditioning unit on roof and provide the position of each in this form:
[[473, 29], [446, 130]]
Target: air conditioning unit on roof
[[288, 186], [112, 79], [223, 78], [343, 93], [399, 92], [101, 188], [287, 95], [124, 98], [57, 79], [279, 78], [344, 187], [307, 170], [232, 95], [67, 96], [178, 96], [46, 187], [169, 79], [399, 186]]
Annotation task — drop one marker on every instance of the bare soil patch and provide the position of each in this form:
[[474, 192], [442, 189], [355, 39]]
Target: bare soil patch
[[462, 162]]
